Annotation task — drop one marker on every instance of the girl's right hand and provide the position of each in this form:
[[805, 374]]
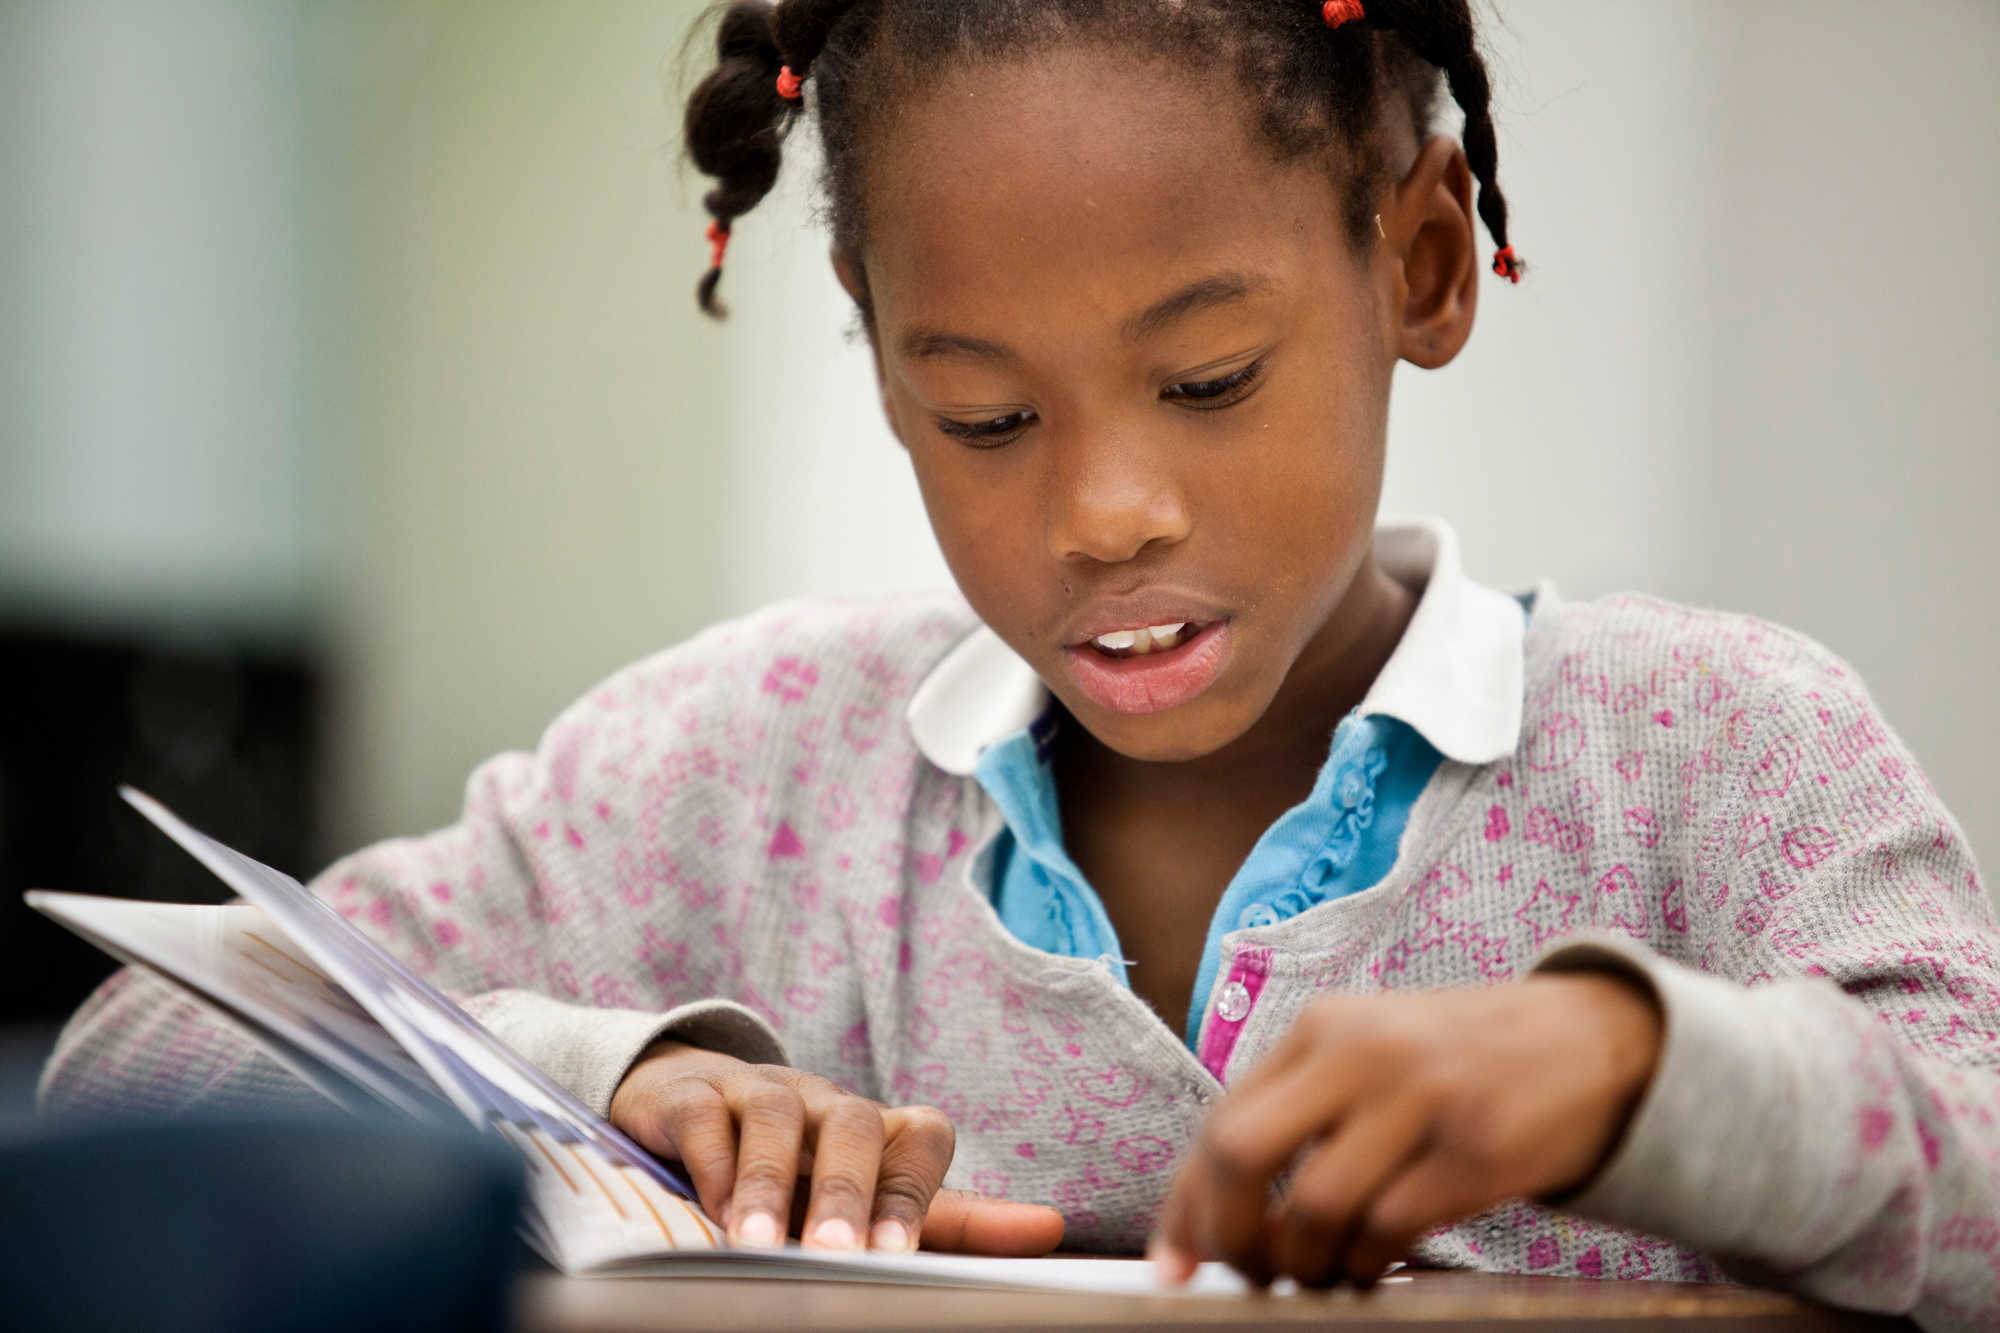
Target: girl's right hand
[[748, 1135]]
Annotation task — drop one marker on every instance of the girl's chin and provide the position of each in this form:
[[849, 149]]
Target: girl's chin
[[1153, 682]]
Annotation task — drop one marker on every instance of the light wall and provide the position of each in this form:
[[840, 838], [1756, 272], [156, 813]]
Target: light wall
[[822, 496], [524, 405], [1758, 363], [1855, 447], [153, 471]]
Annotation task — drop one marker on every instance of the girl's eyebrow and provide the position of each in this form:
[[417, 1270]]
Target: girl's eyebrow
[[1218, 290], [926, 344]]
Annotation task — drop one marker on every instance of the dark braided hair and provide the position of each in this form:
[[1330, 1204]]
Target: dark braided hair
[[1317, 84]]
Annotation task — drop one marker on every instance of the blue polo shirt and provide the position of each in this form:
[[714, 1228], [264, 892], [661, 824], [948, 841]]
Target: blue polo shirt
[[1341, 839]]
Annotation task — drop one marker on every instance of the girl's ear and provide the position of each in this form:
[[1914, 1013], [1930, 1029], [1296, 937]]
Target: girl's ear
[[852, 281], [849, 275], [1428, 234]]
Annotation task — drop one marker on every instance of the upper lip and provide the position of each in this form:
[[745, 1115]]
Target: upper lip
[[1137, 610]]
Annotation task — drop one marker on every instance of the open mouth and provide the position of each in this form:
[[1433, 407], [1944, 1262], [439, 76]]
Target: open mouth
[[1152, 668], [1151, 639]]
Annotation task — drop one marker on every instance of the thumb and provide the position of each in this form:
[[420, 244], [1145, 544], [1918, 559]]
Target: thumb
[[962, 1222]]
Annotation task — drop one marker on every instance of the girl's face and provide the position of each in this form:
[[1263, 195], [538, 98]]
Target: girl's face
[[1143, 377]]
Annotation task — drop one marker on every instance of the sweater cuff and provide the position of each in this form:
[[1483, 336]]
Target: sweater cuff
[[590, 1050], [1723, 1152]]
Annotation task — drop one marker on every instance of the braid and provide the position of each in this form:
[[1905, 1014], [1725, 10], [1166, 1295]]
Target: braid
[[737, 116], [1443, 34], [734, 127], [802, 27], [1316, 79]]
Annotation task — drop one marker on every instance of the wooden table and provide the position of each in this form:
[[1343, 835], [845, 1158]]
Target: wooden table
[[1460, 1302]]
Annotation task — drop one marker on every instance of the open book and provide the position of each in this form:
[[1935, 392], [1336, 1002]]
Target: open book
[[344, 1015]]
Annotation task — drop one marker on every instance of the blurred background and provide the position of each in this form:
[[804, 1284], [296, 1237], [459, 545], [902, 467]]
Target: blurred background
[[355, 415]]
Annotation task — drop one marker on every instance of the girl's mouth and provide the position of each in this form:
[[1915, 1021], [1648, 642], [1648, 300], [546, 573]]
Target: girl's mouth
[[1152, 668], [1140, 642]]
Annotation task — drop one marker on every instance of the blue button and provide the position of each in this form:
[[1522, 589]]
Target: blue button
[[1257, 914]]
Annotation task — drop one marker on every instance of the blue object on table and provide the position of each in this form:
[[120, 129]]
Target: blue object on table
[[258, 1224]]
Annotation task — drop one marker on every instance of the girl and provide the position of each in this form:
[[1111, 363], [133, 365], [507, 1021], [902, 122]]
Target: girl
[[1224, 871]]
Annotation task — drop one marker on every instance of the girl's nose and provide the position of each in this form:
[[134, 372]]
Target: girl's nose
[[1111, 499]]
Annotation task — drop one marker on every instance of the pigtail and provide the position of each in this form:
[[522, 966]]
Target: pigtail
[[738, 115], [1444, 35], [734, 128], [802, 27]]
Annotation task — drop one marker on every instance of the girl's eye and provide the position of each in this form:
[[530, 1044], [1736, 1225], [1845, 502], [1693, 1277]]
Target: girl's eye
[[986, 434], [1211, 394]]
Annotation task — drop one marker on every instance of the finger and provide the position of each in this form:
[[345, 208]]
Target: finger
[[1436, 1189], [1225, 1194], [1171, 1246], [693, 1123], [770, 1127], [1186, 1229], [1220, 1214], [1323, 1211], [962, 1222], [1254, 1132], [847, 1136], [918, 1152]]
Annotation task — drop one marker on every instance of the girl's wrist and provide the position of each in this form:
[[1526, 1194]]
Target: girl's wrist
[[1621, 1023]]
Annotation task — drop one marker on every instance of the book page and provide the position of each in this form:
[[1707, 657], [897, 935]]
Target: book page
[[236, 960], [598, 1213], [1086, 1275]]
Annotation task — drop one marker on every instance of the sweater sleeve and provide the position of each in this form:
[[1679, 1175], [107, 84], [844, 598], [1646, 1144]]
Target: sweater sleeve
[[509, 911], [1823, 1116], [589, 1050], [141, 1046]]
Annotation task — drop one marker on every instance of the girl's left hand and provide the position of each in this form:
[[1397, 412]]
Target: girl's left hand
[[1400, 1113]]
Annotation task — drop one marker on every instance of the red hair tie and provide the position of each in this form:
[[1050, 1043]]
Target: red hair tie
[[789, 84], [1507, 264], [1337, 12], [718, 236]]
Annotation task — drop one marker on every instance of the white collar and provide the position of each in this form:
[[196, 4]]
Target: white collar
[[1456, 674]]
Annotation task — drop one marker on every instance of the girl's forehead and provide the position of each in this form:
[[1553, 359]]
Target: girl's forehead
[[1067, 170], [1053, 112]]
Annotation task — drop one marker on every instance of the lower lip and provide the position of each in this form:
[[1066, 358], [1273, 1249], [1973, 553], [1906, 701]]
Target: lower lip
[[1151, 682]]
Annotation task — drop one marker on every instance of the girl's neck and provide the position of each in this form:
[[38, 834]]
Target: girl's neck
[[1161, 841], [1287, 745]]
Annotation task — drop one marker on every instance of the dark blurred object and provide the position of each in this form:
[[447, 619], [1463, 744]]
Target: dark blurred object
[[227, 741], [218, 1226], [24, 1049]]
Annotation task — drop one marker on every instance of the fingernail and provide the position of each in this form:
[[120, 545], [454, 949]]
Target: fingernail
[[1173, 1266], [760, 1230], [890, 1237], [836, 1233]]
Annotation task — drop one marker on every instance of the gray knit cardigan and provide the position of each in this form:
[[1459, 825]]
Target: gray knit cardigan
[[737, 841]]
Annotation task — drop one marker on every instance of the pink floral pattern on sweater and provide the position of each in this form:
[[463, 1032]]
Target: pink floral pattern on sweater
[[746, 817]]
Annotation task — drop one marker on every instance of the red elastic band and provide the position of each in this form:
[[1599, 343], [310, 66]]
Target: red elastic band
[[1337, 12], [1507, 264], [789, 84], [718, 236]]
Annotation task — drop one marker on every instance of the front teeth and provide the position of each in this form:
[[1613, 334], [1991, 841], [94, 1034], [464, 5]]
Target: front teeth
[[1137, 642]]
